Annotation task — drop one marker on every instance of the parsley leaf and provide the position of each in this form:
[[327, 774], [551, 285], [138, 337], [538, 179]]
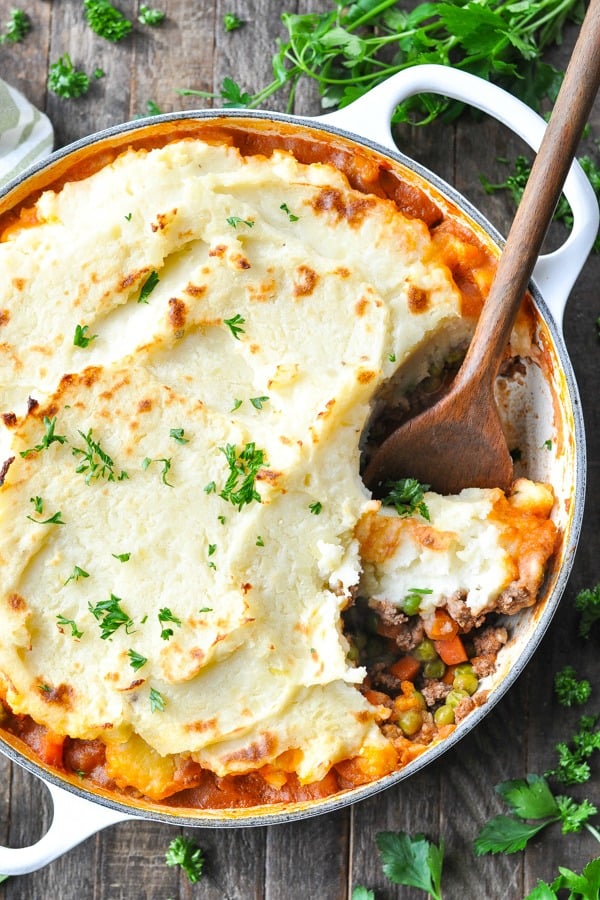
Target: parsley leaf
[[178, 435], [106, 20], [413, 861], [96, 462], [18, 25], [235, 325], [569, 690], [81, 337], [148, 286], [165, 615], [75, 632], [362, 893], [157, 701], [136, 660], [406, 495], [234, 221], [587, 602], [152, 17], [573, 766], [231, 22], [65, 80], [49, 438], [166, 466], [111, 616], [182, 851], [76, 574], [244, 467]]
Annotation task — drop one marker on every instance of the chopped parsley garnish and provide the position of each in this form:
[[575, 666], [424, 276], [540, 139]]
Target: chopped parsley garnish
[[136, 660], [111, 616], [204, 609], [236, 404], [75, 632], [392, 357], [257, 402], [65, 80], [406, 495], [122, 557], [231, 22], [128, 216], [152, 17], [166, 466], [184, 852], [38, 505], [259, 541], [210, 488], [49, 438], [234, 221], [157, 701], [244, 466], [106, 20], [76, 574], [221, 519], [178, 435], [81, 338], [547, 445], [96, 463], [18, 25], [289, 214], [212, 549], [235, 325], [165, 615], [316, 508], [148, 286]]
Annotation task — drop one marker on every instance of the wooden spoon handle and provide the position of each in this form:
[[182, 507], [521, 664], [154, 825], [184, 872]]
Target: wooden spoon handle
[[542, 192]]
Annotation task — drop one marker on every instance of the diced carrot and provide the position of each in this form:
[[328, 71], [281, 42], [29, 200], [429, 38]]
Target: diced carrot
[[50, 748], [406, 668], [448, 676], [440, 626], [451, 650]]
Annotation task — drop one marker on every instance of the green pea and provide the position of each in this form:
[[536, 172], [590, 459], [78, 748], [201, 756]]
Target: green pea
[[410, 721], [435, 668], [418, 696], [455, 696], [461, 668], [425, 651], [444, 715], [411, 604], [466, 681], [353, 654]]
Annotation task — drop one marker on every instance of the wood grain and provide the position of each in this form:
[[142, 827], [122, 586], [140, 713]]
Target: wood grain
[[320, 858]]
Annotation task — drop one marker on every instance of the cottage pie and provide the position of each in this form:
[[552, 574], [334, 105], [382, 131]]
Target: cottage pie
[[200, 601]]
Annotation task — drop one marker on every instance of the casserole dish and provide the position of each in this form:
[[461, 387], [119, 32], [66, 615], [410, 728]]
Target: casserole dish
[[553, 398]]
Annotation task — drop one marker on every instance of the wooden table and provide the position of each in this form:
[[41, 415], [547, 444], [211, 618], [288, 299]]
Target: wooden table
[[319, 858]]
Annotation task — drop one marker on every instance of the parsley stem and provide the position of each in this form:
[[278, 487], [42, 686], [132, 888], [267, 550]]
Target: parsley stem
[[593, 831]]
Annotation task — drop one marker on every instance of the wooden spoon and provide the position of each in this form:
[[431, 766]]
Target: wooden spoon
[[458, 442]]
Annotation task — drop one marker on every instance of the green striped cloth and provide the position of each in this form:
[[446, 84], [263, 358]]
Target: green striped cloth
[[25, 133]]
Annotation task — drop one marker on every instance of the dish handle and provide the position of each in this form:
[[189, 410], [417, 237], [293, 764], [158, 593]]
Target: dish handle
[[370, 117], [74, 819]]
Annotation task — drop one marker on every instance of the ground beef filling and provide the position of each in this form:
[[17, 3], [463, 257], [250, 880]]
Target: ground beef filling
[[423, 675]]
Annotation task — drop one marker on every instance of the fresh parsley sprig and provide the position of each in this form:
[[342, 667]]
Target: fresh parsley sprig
[[587, 602], [17, 27], [96, 463], [569, 690], [412, 861], [406, 495], [351, 47], [182, 851], [65, 80], [106, 20], [533, 807]]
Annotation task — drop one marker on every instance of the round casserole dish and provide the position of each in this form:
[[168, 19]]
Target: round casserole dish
[[550, 395]]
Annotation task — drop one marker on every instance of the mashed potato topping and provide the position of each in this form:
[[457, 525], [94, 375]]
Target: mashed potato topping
[[191, 340]]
